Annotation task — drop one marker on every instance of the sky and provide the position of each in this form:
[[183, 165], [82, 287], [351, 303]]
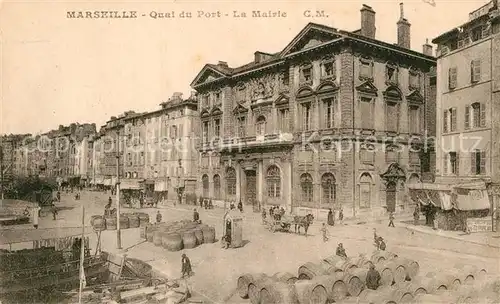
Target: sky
[[58, 70]]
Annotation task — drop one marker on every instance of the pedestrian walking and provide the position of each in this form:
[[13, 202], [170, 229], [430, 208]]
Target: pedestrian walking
[[158, 217], [341, 216], [196, 216], [372, 278], [186, 266], [36, 214], [341, 251], [240, 206], [58, 196], [391, 219], [54, 211], [324, 231], [331, 218], [416, 215], [381, 244]]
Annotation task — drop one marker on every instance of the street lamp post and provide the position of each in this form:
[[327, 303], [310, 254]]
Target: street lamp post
[[118, 231]]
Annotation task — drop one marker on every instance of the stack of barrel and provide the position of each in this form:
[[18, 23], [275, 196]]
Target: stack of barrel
[[333, 279], [178, 235], [127, 220]]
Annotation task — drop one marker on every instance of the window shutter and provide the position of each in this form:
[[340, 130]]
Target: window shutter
[[445, 121], [467, 117], [483, 162], [457, 163], [483, 114], [445, 163], [473, 163], [453, 119]]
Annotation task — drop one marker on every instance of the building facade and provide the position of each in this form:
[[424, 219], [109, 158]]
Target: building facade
[[328, 122], [468, 96]]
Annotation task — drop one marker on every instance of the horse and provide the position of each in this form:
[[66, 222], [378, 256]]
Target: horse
[[303, 221]]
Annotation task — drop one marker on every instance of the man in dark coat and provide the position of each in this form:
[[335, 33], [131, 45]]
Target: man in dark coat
[[391, 219], [331, 220], [416, 215], [196, 216], [240, 206], [372, 278], [186, 266], [341, 251], [158, 217], [381, 244]]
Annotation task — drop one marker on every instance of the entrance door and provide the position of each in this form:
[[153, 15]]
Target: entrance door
[[390, 198], [251, 188]]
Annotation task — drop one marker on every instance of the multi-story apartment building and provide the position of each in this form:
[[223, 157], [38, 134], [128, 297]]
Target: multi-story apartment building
[[9, 156], [468, 97], [327, 122], [160, 152]]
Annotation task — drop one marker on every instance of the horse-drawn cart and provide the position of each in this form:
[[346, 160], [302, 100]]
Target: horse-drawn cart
[[282, 224]]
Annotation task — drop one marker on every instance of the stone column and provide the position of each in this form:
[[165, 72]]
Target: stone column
[[260, 180], [238, 181]]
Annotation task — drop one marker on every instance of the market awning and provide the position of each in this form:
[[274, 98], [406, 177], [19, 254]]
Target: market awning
[[161, 186], [130, 184], [428, 186], [107, 182], [433, 197], [99, 181], [472, 199]]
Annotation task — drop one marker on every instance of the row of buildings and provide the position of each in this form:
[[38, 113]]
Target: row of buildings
[[336, 119]]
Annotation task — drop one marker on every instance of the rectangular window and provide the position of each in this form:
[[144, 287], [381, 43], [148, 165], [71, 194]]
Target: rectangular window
[[306, 74], [477, 33], [329, 108], [217, 127], [366, 106], [364, 195], [284, 117], [392, 117], [453, 119], [328, 69], [205, 101], [391, 156], [478, 162], [414, 158], [205, 131], [306, 116], [452, 78], [414, 120], [242, 128], [445, 121], [217, 97], [367, 156], [365, 69], [391, 74], [414, 80], [454, 163], [475, 70]]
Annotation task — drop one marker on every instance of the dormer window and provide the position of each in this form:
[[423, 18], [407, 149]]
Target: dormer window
[[328, 68], [365, 69], [391, 74], [306, 74], [414, 80]]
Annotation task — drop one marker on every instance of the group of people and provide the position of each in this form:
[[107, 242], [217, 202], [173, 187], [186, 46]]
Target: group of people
[[275, 212], [331, 217], [240, 206], [206, 203]]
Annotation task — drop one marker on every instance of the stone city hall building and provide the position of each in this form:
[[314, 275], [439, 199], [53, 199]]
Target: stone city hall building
[[264, 125]]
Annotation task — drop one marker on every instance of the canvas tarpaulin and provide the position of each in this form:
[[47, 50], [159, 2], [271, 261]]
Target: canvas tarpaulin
[[472, 199]]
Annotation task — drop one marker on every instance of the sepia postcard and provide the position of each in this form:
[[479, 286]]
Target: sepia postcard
[[250, 152]]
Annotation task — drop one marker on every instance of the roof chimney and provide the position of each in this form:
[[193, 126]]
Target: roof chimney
[[427, 48], [222, 63], [403, 29], [368, 28]]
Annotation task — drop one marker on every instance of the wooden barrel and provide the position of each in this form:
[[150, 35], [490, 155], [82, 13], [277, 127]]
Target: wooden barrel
[[340, 264], [99, 223], [362, 262], [143, 219], [335, 286], [278, 293], [189, 240], [198, 233], [490, 283], [355, 281], [208, 235], [412, 267], [386, 276], [172, 242], [311, 292], [401, 296], [244, 282], [253, 294], [418, 286], [110, 222], [380, 255], [445, 281], [379, 296], [310, 270], [398, 270], [466, 274], [285, 277], [157, 237], [434, 298], [133, 220], [124, 224]]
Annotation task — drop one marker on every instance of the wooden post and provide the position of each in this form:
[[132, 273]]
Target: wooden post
[[82, 256]]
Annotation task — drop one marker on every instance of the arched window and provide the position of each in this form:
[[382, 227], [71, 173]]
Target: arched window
[[306, 184], [231, 181], [273, 180], [217, 186], [204, 181], [260, 126], [329, 188], [365, 190]]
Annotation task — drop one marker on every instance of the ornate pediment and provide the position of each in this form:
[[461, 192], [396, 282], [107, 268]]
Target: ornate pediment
[[367, 87], [310, 36], [216, 111], [415, 97], [327, 87], [394, 172], [205, 113], [304, 92], [207, 74], [393, 93], [282, 99], [240, 109]]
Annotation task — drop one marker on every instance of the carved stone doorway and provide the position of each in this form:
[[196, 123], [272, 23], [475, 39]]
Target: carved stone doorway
[[251, 187], [390, 198]]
